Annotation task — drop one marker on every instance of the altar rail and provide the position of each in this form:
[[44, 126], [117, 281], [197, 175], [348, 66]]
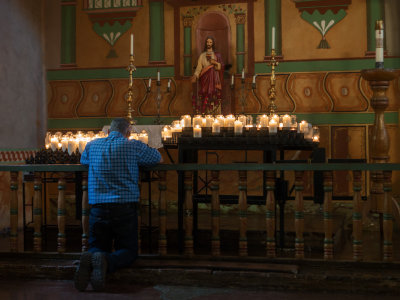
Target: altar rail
[[383, 172]]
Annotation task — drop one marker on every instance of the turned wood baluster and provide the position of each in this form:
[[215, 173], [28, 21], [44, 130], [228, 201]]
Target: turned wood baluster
[[270, 213], [357, 216], [188, 187], [243, 213], [14, 211], [299, 214], [387, 217], [162, 212], [85, 213], [215, 214], [61, 213], [37, 212], [328, 241]]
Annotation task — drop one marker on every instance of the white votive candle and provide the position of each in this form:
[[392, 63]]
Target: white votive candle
[[216, 126], [238, 127], [287, 121], [264, 121], [197, 131], [273, 126]]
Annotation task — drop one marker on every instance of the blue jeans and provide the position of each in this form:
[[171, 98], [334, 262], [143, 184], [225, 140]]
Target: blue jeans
[[114, 226]]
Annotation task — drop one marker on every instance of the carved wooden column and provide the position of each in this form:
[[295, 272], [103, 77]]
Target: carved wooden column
[[270, 213], [328, 241], [243, 213], [299, 214], [14, 212], [85, 212], [387, 217], [61, 213], [37, 212], [215, 214], [379, 143], [188, 187], [357, 216], [162, 212]]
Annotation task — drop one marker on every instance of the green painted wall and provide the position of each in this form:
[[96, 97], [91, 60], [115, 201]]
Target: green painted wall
[[156, 9]]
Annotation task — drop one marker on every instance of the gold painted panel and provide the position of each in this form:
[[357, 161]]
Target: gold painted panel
[[65, 95], [307, 91], [97, 95], [344, 91]]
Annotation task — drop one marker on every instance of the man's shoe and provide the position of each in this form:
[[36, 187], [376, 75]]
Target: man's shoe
[[82, 274], [99, 265]]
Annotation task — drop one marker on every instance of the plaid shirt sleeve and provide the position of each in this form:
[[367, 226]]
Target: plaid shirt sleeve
[[146, 155]]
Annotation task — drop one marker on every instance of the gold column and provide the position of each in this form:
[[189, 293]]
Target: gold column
[[61, 213], [37, 212], [215, 214], [270, 213], [243, 213], [14, 212], [357, 217], [188, 186], [387, 217], [162, 213], [85, 213], [299, 214], [328, 241]]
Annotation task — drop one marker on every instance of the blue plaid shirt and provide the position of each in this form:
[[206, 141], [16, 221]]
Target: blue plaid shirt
[[114, 168]]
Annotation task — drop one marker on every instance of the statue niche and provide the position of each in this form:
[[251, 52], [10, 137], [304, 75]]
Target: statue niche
[[215, 25]]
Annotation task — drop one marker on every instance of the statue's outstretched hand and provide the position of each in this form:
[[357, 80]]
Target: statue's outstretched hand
[[194, 78]]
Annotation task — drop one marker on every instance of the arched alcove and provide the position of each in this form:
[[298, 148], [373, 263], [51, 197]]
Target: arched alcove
[[214, 24]]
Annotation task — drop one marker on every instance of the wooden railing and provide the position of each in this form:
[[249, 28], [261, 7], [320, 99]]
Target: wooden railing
[[188, 171]]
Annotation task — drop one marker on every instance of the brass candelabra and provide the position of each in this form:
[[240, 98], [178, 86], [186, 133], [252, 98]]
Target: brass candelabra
[[131, 68], [272, 92]]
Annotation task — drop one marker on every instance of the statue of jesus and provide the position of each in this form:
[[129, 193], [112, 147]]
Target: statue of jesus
[[209, 73]]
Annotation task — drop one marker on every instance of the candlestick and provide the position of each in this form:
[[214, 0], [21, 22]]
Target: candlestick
[[379, 44], [131, 43], [131, 68], [273, 37], [272, 93]]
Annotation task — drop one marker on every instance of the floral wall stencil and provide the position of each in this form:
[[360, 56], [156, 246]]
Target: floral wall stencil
[[323, 15], [112, 18]]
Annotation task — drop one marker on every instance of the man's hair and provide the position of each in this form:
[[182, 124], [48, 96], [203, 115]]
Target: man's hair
[[205, 43], [120, 124]]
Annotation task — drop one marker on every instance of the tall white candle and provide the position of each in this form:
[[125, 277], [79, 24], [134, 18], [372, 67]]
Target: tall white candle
[[243, 73], [273, 37], [254, 79], [158, 75], [131, 43], [169, 83], [233, 80], [379, 43], [149, 82]]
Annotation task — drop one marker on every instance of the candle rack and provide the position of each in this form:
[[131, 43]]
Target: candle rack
[[244, 92], [131, 68]]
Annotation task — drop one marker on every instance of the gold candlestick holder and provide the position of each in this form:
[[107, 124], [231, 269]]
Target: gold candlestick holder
[[131, 68], [272, 92]]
